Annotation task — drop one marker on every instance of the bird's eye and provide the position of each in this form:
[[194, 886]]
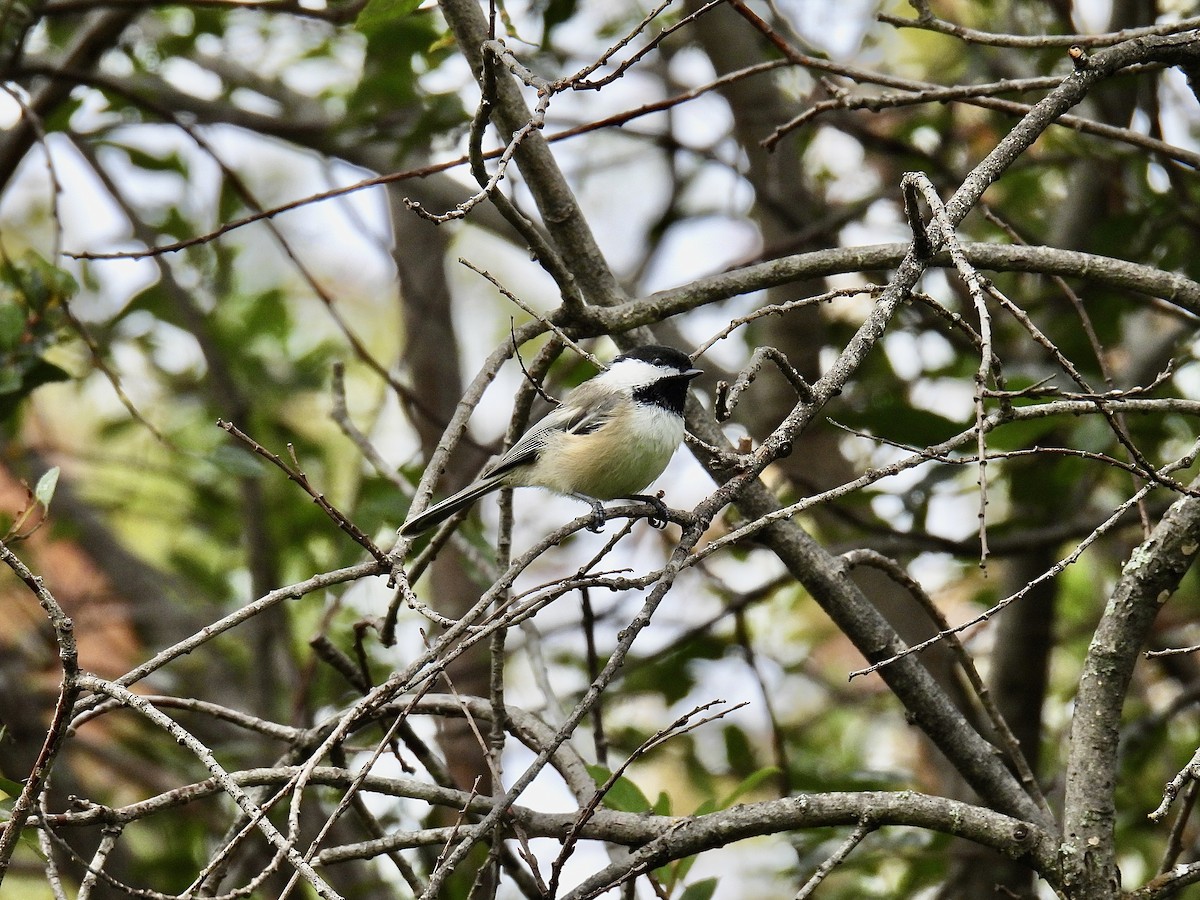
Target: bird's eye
[[658, 361]]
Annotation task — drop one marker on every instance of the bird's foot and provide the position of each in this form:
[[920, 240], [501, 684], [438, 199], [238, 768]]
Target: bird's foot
[[598, 516], [661, 515]]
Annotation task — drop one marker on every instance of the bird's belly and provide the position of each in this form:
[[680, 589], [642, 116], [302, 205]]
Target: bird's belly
[[618, 460]]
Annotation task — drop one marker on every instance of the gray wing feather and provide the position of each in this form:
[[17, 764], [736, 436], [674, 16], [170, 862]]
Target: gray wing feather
[[587, 410], [582, 416]]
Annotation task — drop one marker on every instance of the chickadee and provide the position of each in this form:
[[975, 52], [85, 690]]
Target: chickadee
[[611, 437]]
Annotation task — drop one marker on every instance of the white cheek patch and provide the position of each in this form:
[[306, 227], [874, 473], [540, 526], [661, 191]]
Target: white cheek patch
[[631, 373]]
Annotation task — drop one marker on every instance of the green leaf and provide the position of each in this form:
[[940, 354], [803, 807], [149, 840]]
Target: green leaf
[[12, 325], [624, 795], [662, 806], [890, 416], [9, 787], [670, 875], [556, 13], [672, 675], [739, 750], [153, 299], [267, 313], [236, 461], [171, 162], [748, 784], [1015, 435], [378, 13], [42, 372], [40, 283], [17, 382], [700, 890], [683, 867], [44, 491], [10, 381]]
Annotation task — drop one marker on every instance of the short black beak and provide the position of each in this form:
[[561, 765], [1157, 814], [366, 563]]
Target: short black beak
[[692, 373]]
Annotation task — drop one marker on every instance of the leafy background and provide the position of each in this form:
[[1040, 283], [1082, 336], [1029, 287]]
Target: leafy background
[[179, 119]]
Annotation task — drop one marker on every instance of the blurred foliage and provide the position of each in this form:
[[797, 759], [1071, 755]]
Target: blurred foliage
[[32, 295], [293, 102]]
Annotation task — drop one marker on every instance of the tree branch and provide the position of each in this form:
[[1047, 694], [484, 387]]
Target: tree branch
[[1151, 575]]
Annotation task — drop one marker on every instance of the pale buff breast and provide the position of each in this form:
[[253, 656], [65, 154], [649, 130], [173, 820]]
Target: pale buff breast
[[618, 459]]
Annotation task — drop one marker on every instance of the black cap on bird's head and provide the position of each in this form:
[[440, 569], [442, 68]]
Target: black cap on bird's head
[[658, 355]]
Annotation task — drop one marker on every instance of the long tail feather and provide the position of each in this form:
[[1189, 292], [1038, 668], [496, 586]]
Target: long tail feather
[[439, 512]]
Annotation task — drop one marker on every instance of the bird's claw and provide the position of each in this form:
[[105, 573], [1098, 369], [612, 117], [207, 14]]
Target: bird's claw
[[598, 517], [661, 515], [657, 519]]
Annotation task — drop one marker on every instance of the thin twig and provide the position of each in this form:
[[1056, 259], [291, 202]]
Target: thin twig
[[214, 629], [1171, 651], [1182, 463], [728, 395], [1040, 41], [946, 237], [340, 414], [868, 76], [56, 733], [1112, 416], [1174, 847], [779, 309], [580, 82], [550, 326], [108, 840], [296, 475], [681, 725], [938, 452], [1007, 740], [835, 859], [614, 121], [1190, 772], [186, 740]]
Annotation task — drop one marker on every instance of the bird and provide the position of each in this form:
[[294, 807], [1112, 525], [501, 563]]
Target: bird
[[609, 439]]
